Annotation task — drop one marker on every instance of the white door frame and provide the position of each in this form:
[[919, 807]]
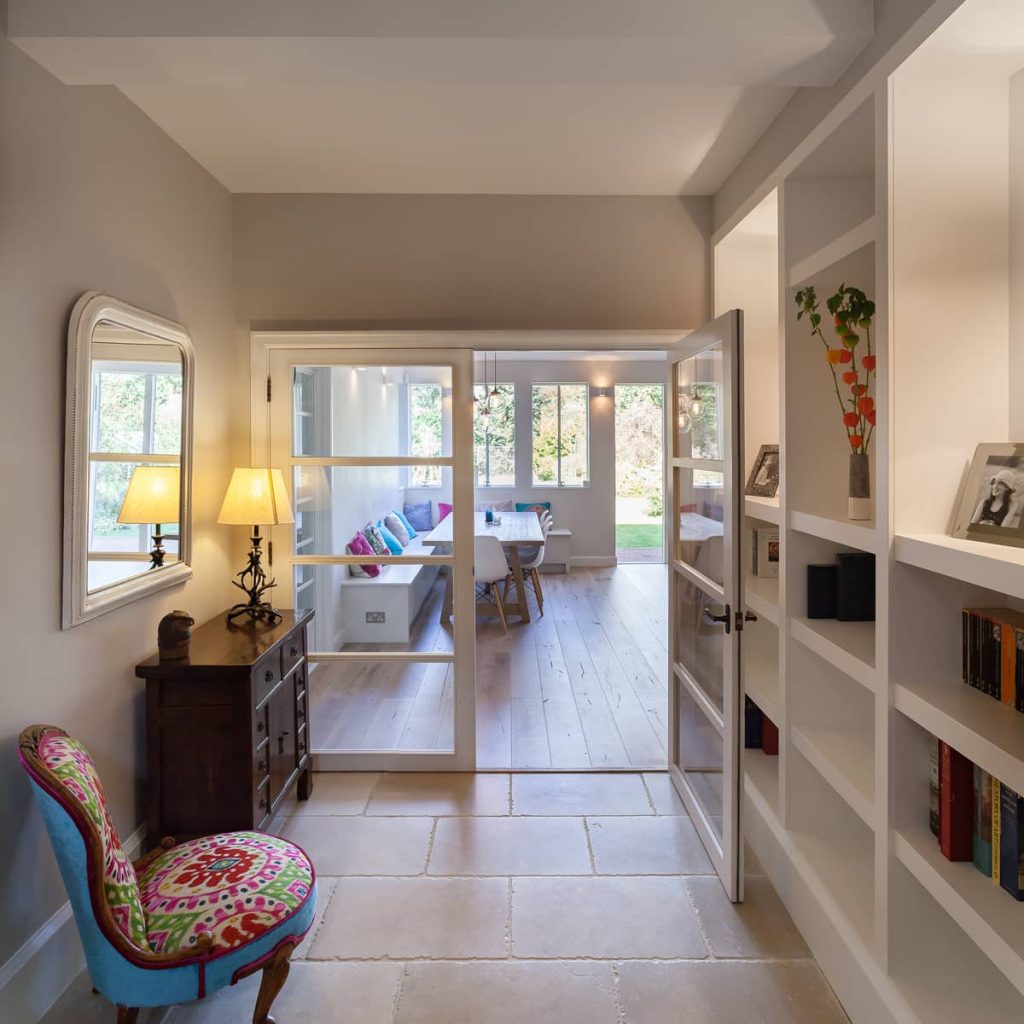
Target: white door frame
[[421, 346]]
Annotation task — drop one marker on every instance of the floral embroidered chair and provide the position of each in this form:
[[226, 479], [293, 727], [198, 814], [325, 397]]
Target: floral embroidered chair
[[181, 922]]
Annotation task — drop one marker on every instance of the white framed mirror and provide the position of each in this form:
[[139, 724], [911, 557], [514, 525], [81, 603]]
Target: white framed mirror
[[127, 457]]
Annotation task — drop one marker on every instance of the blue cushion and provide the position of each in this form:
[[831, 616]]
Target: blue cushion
[[405, 522], [419, 516], [393, 543], [532, 506]]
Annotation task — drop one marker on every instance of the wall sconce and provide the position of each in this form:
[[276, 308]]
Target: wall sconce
[[602, 392]]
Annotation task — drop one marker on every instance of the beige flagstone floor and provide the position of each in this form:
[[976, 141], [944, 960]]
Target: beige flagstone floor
[[518, 899]]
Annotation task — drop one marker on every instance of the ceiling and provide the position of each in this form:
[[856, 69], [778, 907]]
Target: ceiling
[[577, 97]]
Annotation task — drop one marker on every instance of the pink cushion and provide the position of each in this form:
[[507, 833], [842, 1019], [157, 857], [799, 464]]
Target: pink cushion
[[444, 510], [361, 546]]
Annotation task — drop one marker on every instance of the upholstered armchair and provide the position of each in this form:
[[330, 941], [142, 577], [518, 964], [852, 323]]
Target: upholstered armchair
[[184, 920]]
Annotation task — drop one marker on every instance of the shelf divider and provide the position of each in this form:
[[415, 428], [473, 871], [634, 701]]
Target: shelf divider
[[836, 250]]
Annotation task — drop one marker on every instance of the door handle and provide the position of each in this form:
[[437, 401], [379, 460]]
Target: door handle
[[724, 619], [742, 617]]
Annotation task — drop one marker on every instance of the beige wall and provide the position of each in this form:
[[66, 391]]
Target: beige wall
[[92, 196], [513, 262]]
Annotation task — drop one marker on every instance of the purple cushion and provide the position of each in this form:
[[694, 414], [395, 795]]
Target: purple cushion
[[419, 516], [444, 510], [359, 545]]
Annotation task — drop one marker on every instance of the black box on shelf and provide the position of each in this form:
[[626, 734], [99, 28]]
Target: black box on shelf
[[822, 586], [855, 592]]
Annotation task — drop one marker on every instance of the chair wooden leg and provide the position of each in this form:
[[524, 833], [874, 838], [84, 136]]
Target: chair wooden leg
[[127, 1014], [501, 609], [537, 588], [275, 974]]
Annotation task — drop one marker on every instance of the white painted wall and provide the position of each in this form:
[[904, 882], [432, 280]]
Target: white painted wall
[[92, 196], [588, 511], [1016, 254]]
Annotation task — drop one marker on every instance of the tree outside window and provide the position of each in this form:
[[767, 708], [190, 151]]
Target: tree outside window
[[561, 455], [425, 433], [494, 437]]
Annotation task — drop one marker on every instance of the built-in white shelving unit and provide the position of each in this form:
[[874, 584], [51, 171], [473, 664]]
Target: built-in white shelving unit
[[935, 234]]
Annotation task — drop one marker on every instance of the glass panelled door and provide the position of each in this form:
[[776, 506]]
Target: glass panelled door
[[377, 446], [705, 616]]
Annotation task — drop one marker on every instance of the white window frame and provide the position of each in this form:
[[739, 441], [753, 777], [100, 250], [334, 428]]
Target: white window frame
[[487, 485], [558, 403]]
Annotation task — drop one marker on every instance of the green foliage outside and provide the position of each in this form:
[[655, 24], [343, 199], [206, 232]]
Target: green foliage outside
[[639, 424], [560, 460], [425, 411], [638, 535], [494, 437]]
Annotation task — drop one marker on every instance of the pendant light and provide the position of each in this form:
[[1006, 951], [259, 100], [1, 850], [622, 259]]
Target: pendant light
[[495, 394]]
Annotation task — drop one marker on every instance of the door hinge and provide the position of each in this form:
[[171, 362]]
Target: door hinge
[[268, 389], [270, 552]]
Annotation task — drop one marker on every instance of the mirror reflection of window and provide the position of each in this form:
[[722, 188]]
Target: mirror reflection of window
[[135, 420]]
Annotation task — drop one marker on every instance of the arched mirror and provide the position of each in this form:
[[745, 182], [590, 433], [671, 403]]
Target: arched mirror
[[128, 449]]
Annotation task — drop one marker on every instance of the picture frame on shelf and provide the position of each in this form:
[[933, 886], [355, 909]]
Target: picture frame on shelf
[[763, 481], [991, 506]]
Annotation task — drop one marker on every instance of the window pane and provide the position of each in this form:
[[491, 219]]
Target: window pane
[[575, 468], [545, 434], [349, 411], [494, 436], [699, 383], [425, 432]]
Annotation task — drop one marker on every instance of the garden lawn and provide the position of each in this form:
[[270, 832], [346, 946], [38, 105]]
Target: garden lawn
[[638, 535]]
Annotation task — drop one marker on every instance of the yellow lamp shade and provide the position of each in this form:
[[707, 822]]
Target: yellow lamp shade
[[154, 496], [256, 497]]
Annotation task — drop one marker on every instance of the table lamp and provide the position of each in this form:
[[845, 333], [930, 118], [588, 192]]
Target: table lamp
[[255, 497], [153, 498]]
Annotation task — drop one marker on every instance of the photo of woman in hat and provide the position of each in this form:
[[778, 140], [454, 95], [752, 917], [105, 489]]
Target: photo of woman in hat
[[999, 500]]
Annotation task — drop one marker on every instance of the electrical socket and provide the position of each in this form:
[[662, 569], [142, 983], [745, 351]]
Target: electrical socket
[[375, 617]]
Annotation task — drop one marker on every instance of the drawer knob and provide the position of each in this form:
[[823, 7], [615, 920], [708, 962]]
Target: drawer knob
[[293, 651], [302, 746], [261, 766], [263, 802], [268, 676], [260, 726], [302, 713]]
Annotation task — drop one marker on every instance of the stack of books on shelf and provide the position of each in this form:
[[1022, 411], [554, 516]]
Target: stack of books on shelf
[[993, 653], [977, 818], [760, 732]]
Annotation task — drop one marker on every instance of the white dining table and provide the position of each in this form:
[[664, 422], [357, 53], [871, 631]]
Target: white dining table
[[517, 530]]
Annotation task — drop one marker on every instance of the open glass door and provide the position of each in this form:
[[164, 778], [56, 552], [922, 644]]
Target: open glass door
[[705, 615], [377, 447]]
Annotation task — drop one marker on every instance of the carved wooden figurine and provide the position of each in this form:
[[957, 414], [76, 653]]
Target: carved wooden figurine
[[174, 635]]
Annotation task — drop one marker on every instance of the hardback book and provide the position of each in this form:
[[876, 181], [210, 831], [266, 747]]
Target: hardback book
[[769, 736], [1018, 674], [956, 804], [766, 553], [981, 840], [1011, 842], [996, 827], [751, 725], [992, 647], [933, 784]]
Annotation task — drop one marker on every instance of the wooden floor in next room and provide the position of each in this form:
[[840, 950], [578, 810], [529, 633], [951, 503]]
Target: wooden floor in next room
[[583, 686]]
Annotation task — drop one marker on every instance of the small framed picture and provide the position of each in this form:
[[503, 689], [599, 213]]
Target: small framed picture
[[766, 553], [992, 505], [763, 481]]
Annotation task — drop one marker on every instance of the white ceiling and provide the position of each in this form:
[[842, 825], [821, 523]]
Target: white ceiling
[[629, 97]]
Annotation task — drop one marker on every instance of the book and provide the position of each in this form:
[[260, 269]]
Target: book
[[993, 653], [766, 553], [981, 838], [996, 828], [933, 784], [1011, 842], [769, 735], [752, 718], [1019, 668], [956, 804]]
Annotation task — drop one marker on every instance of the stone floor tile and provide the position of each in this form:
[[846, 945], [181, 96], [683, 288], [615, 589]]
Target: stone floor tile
[[589, 793], [510, 846], [324, 892], [663, 793], [338, 793], [348, 845], [441, 793], [647, 846]]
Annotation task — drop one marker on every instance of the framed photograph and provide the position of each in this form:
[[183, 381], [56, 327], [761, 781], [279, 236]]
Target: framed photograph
[[763, 481], [992, 504], [766, 553]]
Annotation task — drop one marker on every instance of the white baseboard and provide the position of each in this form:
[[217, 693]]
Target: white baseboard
[[36, 976], [594, 561]]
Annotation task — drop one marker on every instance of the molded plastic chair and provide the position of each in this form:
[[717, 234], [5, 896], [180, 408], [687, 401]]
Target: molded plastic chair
[[530, 561], [490, 568], [182, 921]]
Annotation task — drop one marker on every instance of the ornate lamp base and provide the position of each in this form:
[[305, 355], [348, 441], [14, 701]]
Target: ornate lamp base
[[252, 580]]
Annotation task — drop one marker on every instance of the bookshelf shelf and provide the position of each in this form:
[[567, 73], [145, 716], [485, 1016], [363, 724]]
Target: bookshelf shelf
[[994, 566], [845, 761], [762, 774], [985, 911], [764, 510], [833, 252], [987, 732], [762, 597], [849, 646], [861, 536]]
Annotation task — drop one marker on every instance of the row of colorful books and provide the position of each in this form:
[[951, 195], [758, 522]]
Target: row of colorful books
[[993, 653], [977, 818], [759, 731]]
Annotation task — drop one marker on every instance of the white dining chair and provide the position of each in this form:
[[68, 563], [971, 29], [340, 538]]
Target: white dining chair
[[490, 569], [530, 560]]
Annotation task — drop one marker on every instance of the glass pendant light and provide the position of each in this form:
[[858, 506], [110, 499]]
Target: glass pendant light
[[495, 395], [696, 404]]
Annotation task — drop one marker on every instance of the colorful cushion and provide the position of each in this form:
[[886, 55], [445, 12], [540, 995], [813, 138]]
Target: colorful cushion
[[375, 540], [444, 510], [419, 516], [393, 544], [409, 529], [397, 527], [73, 766], [359, 545], [233, 887], [539, 507], [502, 506]]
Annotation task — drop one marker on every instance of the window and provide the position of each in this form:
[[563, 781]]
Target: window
[[705, 432], [425, 433], [494, 436], [561, 444]]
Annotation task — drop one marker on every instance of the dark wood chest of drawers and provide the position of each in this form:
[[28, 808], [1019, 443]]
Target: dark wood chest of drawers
[[227, 729]]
